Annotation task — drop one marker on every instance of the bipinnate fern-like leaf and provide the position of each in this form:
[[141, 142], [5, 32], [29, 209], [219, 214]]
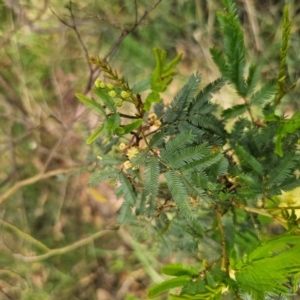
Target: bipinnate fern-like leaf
[[97, 132], [231, 65], [201, 101], [288, 186], [194, 190], [168, 284], [284, 169], [187, 155], [269, 266], [249, 160], [157, 139], [264, 94], [187, 126], [174, 144], [193, 285], [202, 164], [92, 104], [220, 60], [109, 160], [180, 270], [252, 79], [103, 175], [106, 99], [141, 86], [235, 111], [139, 159], [182, 100], [231, 7], [159, 109], [179, 193], [125, 214], [238, 130], [151, 176], [132, 126], [274, 247], [208, 122], [287, 127], [111, 124], [219, 168]]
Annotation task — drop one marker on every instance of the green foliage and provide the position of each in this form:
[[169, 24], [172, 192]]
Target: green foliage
[[179, 270], [203, 180], [177, 109], [195, 285], [129, 199], [102, 175], [161, 77], [92, 104], [286, 127], [106, 99], [268, 266], [168, 284], [232, 63], [95, 134], [281, 88]]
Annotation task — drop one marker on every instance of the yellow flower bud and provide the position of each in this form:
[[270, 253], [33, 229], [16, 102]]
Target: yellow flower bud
[[110, 86], [125, 94], [157, 123], [132, 152], [127, 164], [112, 93], [98, 82], [152, 117], [259, 203], [122, 146], [102, 85], [119, 103]]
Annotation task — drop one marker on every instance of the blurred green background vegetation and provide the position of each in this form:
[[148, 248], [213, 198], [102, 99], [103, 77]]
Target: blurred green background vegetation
[[45, 200]]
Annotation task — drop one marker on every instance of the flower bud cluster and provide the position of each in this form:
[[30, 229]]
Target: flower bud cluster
[[153, 121], [99, 83], [122, 146], [131, 152], [112, 92], [127, 164]]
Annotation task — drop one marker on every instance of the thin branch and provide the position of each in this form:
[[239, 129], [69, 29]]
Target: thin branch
[[225, 262], [124, 33], [25, 236], [79, 37], [136, 11], [255, 226], [139, 253], [92, 16], [262, 212], [250, 9], [63, 250], [34, 179], [19, 25], [74, 27]]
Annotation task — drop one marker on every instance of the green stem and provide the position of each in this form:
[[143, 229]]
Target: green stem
[[25, 236], [262, 212], [140, 254], [128, 116], [225, 262], [64, 250]]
